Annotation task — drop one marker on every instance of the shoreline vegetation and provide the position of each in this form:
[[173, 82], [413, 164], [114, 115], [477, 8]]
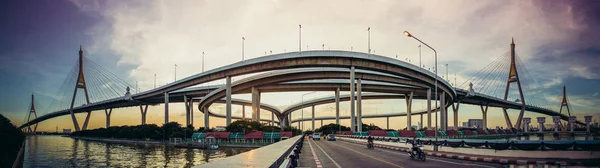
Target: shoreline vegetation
[[11, 143]]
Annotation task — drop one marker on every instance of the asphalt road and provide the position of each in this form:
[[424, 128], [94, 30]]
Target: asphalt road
[[344, 154]]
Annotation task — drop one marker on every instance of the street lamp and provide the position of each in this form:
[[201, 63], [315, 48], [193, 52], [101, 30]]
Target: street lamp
[[203, 62], [406, 33], [243, 39], [175, 72]]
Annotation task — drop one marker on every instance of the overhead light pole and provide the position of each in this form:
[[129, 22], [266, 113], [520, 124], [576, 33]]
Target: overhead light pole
[[203, 62], [369, 38], [243, 39], [175, 72], [154, 81], [406, 33], [420, 56], [300, 38]]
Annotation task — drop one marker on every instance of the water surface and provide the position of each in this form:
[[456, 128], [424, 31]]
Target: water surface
[[57, 151]]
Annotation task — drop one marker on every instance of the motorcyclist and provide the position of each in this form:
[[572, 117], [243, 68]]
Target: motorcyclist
[[370, 141], [414, 143]]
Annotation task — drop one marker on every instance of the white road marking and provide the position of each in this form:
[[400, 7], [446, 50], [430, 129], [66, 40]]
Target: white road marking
[[402, 153], [334, 162]]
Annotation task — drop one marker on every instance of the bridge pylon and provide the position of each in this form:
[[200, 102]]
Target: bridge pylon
[[31, 110], [513, 77], [564, 102], [80, 84]]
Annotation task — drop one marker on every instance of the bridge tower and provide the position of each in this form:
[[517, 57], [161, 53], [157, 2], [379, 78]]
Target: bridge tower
[[564, 102], [31, 110], [513, 77], [80, 85]]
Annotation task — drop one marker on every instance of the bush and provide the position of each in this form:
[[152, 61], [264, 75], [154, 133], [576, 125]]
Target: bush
[[10, 143]]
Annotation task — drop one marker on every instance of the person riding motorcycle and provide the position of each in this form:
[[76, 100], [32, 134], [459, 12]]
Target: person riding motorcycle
[[370, 141], [415, 146]]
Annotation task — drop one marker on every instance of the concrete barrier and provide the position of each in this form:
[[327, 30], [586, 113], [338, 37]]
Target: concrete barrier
[[261, 157]]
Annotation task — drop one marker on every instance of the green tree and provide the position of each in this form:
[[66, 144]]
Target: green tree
[[332, 128], [245, 126], [10, 143], [366, 127]]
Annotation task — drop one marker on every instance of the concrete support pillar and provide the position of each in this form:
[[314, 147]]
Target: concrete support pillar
[[572, 121], [272, 119], [187, 110], [206, 117], [191, 107], [556, 121], [337, 106], [421, 121], [541, 121], [143, 111], [166, 107], [352, 118], [588, 120], [484, 112], [255, 104], [443, 112], [455, 110], [108, 113], [228, 101], [526, 121], [321, 123], [243, 112], [387, 122], [507, 119], [299, 125], [359, 104], [429, 108], [313, 118], [408, 97], [87, 120]]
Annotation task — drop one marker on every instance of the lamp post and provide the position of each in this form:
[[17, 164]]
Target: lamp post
[[420, 56], [203, 62], [300, 37], [302, 111], [154, 81], [243, 39], [175, 72], [406, 33], [369, 38]]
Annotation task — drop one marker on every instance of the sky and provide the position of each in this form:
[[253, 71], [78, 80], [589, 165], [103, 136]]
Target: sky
[[558, 42]]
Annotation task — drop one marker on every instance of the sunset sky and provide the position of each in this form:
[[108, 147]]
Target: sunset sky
[[559, 42]]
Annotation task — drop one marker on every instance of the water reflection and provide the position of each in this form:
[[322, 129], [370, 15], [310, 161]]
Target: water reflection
[[56, 151]]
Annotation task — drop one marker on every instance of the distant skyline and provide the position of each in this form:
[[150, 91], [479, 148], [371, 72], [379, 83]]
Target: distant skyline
[[558, 41]]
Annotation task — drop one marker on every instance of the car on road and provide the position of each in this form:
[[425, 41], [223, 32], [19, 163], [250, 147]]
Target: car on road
[[316, 136], [331, 137]]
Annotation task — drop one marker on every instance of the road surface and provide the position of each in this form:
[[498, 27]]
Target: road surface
[[338, 154]]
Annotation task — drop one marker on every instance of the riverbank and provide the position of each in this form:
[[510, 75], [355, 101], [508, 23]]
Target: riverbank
[[120, 141]]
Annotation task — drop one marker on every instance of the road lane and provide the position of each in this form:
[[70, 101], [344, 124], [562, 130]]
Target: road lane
[[355, 155]]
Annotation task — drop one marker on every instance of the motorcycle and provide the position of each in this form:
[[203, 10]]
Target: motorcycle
[[418, 153], [370, 145]]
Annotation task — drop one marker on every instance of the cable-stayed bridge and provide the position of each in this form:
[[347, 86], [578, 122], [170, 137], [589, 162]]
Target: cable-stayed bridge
[[505, 83]]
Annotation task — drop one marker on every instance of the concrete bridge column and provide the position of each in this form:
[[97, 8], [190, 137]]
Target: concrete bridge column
[[408, 98], [387, 122], [484, 112], [421, 120], [352, 119], [143, 111], [359, 104], [572, 121], [243, 112], [526, 122], [87, 120], [588, 120], [255, 104], [206, 117], [108, 113], [455, 110], [166, 107], [321, 123], [313, 118], [337, 106], [272, 119], [428, 108], [541, 121], [556, 121], [228, 101], [443, 112], [191, 107], [299, 125], [187, 110]]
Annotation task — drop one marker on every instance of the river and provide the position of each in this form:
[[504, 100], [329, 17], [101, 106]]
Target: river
[[58, 151]]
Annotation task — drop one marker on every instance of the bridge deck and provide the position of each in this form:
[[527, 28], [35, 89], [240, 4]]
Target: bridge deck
[[345, 154]]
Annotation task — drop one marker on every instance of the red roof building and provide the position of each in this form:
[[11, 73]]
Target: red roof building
[[218, 135], [255, 135], [286, 134], [377, 133]]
